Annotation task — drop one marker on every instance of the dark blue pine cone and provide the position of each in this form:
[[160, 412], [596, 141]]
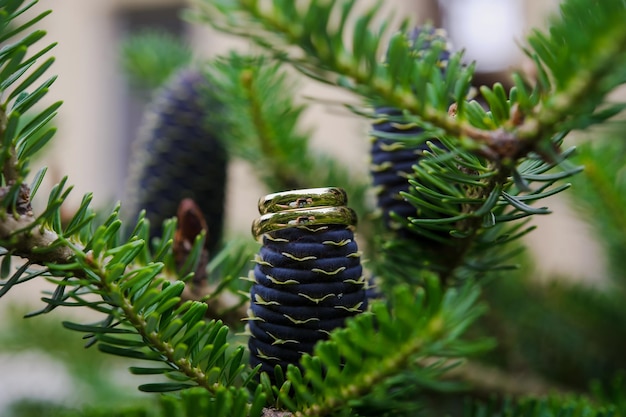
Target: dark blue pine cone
[[307, 281], [178, 155], [392, 158]]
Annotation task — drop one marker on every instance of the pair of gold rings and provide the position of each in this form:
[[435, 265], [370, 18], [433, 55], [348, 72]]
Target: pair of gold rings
[[303, 208]]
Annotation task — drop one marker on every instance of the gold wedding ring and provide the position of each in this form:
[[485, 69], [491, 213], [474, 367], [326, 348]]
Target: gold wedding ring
[[299, 199], [303, 218], [303, 208]]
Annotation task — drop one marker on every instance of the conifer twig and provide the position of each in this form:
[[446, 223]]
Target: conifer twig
[[326, 57], [588, 82], [266, 134]]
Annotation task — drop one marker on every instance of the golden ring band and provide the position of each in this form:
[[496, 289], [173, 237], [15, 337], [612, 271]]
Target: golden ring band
[[312, 217], [301, 199]]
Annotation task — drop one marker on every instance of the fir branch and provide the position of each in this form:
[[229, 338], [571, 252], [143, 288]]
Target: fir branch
[[264, 134], [20, 141], [229, 402], [582, 73], [10, 171], [486, 151], [269, 134], [225, 293], [374, 347], [280, 25], [466, 212], [137, 297], [269, 141], [132, 290], [152, 338]]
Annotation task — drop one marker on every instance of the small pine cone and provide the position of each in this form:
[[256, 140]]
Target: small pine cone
[[178, 156], [392, 159], [307, 281], [391, 165]]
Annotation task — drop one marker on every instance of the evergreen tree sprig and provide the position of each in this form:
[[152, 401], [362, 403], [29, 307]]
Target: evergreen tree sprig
[[144, 316], [319, 29], [464, 204], [264, 133], [466, 193], [21, 71], [269, 133], [377, 349], [576, 73]]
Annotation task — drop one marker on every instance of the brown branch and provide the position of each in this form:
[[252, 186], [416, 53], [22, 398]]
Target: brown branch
[[21, 233], [272, 412]]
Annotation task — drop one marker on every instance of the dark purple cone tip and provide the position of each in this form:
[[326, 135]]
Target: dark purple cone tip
[[178, 155]]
